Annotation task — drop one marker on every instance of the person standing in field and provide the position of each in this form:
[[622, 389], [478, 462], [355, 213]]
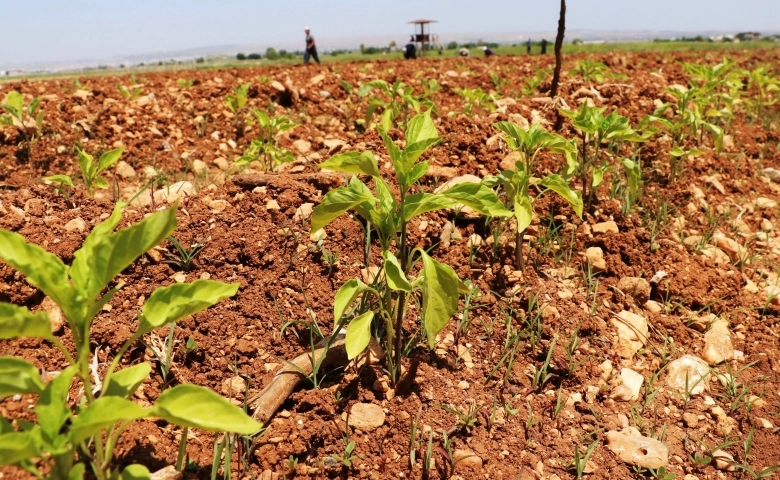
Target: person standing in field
[[528, 46], [311, 48], [544, 46], [488, 51], [410, 51]]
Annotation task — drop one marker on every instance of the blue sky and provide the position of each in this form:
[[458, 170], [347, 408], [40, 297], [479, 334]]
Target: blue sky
[[63, 30]]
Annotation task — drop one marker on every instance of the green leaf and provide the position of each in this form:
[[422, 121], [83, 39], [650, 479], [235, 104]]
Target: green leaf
[[42, 269], [18, 376], [87, 165], [124, 383], [414, 151], [16, 447], [100, 183], [440, 296], [345, 296], [420, 203], [135, 472], [197, 407], [417, 172], [77, 472], [103, 413], [63, 179], [52, 407], [524, 212], [421, 128], [17, 322], [634, 177], [33, 106], [678, 151], [109, 158], [353, 162], [479, 197], [180, 300], [337, 202], [15, 100], [396, 278], [104, 254], [386, 120], [558, 185], [358, 334], [598, 175]]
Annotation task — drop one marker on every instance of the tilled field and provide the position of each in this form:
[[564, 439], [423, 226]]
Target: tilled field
[[577, 352]]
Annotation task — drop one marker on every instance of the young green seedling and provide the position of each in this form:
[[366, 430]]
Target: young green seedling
[[90, 170], [517, 183], [69, 437], [265, 148], [595, 130], [436, 283], [28, 119]]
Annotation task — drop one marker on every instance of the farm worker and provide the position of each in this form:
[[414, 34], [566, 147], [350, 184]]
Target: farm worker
[[528, 46], [463, 52], [544, 46], [488, 51], [311, 47], [410, 51]]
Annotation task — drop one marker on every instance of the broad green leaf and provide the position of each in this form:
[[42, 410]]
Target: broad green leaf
[[413, 151], [337, 202], [479, 197], [417, 172], [420, 203], [558, 185], [387, 118], [6, 121], [524, 212], [52, 407], [353, 162], [124, 383], [103, 413], [18, 376], [17, 322], [16, 447], [634, 177], [345, 296], [421, 128], [100, 183], [396, 278], [87, 165], [197, 407], [358, 334], [15, 100], [135, 472], [64, 179], [677, 151], [440, 296], [180, 300], [33, 106], [598, 175], [42, 269], [77, 472], [109, 158], [102, 258]]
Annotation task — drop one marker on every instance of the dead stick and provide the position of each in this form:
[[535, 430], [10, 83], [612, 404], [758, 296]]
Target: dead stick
[[267, 402], [322, 180]]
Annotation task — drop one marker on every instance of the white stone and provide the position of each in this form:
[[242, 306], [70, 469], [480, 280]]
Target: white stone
[[605, 227], [124, 170], [366, 416], [717, 343], [632, 383], [302, 146], [594, 256], [56, 317], [688, 372], [723, 460], [636, 287], [174, 192], [76, 224], [632, 333], [634, 449]]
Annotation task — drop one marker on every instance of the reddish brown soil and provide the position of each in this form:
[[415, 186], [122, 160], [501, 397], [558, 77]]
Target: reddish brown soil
[[281, 282]]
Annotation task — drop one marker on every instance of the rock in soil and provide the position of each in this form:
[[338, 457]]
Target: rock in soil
[[366, 416], [632, 333], [634, 449], [636, 287], [717, 343], [688, 373]]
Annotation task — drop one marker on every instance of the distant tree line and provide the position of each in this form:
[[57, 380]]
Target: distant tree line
[[270, 53]]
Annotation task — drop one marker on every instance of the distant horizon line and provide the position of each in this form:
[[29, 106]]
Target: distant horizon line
[[353, 42]]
